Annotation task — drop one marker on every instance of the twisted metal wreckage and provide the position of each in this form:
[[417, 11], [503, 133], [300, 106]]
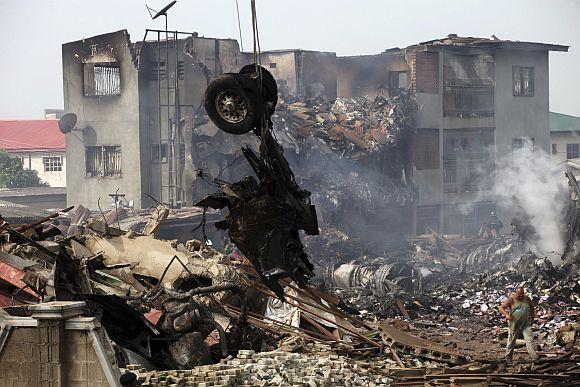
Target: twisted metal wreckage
[[167, 305]]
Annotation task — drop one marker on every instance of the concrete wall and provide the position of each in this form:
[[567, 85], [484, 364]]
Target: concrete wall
[[55, 351], [105, 120], [366, 75], [33, 160], [318, 74], [282, 65]]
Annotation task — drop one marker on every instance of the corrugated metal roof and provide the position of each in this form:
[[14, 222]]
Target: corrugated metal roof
[[32, 191], [564, 123], [11, 211], [31, 135]]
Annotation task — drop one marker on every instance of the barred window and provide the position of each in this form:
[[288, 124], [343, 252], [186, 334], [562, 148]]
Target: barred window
[[52, 163], [468, 86], [523, 80], [102, 79], [572, 151], [103, 161], [467, 159]]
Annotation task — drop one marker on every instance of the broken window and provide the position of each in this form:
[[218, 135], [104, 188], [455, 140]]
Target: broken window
[[554, 149], [523, 80], [52, 163], [427, 72], [468, 86], [397, 80], [159, 153], [102, 79], [427, 219], [103, 161], [467, 159], [521, 143], [572, 151], [426, 149]]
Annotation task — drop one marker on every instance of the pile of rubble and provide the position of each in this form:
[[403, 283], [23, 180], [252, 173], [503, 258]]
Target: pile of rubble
[[275, 368], [351, 127]]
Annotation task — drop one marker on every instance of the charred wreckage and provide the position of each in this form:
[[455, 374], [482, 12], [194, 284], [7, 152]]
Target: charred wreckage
[[373, 320]]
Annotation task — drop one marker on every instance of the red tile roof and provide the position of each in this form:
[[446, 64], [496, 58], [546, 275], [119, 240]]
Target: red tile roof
[[31, 135]]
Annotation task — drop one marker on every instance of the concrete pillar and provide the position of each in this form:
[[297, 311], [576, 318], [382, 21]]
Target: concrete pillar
[[51, 318]]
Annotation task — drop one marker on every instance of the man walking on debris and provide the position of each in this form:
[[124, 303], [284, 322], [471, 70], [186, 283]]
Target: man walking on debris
[[520, 317]]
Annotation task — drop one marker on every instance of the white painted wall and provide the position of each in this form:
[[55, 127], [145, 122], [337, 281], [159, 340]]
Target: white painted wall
[[34, 160], [561, 140]]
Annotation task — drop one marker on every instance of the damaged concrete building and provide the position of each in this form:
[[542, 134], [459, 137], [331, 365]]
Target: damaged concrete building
[[142, 130]]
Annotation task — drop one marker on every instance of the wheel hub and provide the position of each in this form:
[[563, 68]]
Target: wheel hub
[[231, 106]]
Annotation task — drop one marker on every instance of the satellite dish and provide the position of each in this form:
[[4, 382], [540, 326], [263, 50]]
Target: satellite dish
[[67, 123], [164, 10]]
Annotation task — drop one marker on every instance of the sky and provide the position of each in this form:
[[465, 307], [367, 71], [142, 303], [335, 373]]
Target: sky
[[34, 30]]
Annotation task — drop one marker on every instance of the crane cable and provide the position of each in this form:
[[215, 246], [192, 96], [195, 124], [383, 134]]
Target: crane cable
[[256, 37], [239, 27]]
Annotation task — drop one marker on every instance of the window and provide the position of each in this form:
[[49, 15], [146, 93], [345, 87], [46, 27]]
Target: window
[[572, 151], [272, 65], [158, 70], [52, 163], [468, 86], [467, 159], [103, 161], [554, 149], [521, 143], [427, 72], [427, 219], [523, 80], [159, 153], [102, 79], [397, 80], [426, 149]]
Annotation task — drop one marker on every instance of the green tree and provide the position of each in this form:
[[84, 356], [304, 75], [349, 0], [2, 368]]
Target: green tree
[[13, 174]]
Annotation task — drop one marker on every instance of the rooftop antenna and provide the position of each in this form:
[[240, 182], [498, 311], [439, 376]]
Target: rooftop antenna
[[162, 12]]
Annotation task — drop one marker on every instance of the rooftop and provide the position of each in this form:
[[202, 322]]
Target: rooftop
[[31, 191], [31, 135], [564, 123], [13, 211], [453, 40]]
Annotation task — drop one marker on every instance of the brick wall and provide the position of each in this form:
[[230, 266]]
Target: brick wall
[[81, 364]]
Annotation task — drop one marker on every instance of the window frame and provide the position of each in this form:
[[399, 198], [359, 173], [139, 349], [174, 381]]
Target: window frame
[[160, 153], [92, 79], [468, 85], [51, 166], [518, 75], [570, 151], [102, 167]]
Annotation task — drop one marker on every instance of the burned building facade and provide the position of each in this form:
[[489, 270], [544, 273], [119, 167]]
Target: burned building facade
[[478, 99], [142, 128], [136, 103]]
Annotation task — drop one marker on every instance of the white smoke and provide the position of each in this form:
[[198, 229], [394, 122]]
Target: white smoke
[[528, 184]]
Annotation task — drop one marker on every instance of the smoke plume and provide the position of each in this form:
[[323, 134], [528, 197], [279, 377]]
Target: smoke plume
[[528, 184]]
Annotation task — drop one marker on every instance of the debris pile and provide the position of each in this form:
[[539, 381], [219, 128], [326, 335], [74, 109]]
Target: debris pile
[[273, 368], [353, 128]]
